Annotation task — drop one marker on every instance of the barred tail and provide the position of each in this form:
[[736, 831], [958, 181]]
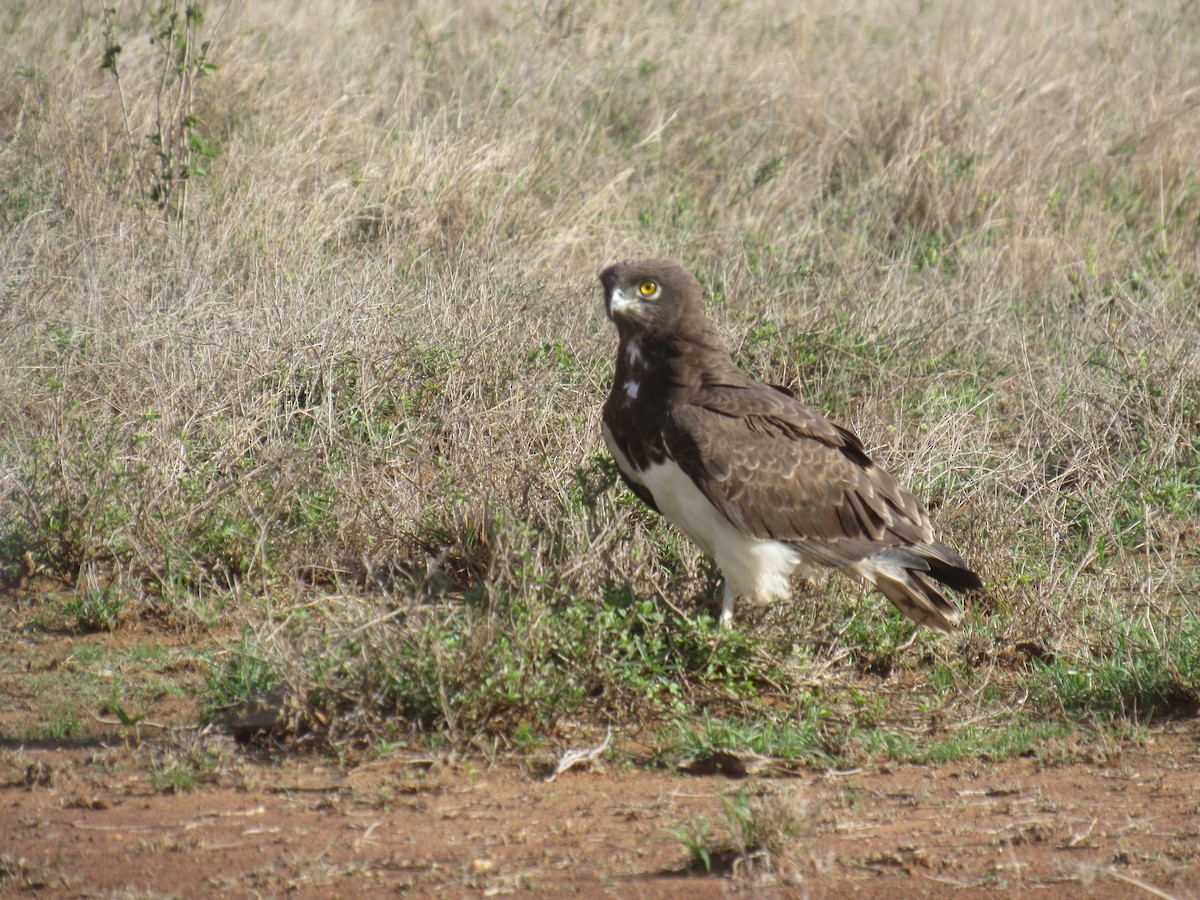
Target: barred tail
[[912, 578]]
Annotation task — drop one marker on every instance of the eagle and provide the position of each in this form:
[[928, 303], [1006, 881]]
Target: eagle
[[758, 480]]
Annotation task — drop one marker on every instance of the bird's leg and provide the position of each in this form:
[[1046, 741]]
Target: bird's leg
[[727, 607]]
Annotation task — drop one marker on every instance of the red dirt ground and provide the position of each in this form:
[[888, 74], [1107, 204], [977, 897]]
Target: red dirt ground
[[86, 820]]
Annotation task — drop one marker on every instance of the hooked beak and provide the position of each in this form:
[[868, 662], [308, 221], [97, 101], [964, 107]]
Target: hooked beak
[[616, 302]]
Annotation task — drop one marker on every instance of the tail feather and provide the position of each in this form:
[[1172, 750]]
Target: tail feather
[[953, 573], [910, 577]]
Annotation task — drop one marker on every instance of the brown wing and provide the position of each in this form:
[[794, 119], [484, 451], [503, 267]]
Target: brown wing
[[779, 469]]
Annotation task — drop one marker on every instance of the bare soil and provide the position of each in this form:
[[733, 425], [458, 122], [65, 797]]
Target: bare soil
[[88, 819], [85, 822]]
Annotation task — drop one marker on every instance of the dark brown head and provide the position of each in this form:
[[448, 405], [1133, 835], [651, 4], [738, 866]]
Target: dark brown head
[[652, 296]]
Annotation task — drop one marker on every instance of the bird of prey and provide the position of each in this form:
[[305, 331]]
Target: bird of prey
[[758, 480]]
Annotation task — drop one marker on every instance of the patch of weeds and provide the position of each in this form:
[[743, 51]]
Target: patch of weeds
[[186, 761], [563, 362], [525, 739], [15, 559], [696, 838], [19, 874], [834, 361], [67, 688], [63, 724], [659, 655], [674, 553], [173, 777], [184, 599], [997, 743], [528, 663], [793, 736], [763, 826], [510, 664], [876, 635], [316, 402], [852, 796], [1144, 507], [76, 506], [176, 149], [123, 685], [235, 674], [1139, 669], [130, 722], [421, 377], [755, 831], [932, 248], [856, 728], [216, 544], [96, 608], [948, 397], [878, 742]]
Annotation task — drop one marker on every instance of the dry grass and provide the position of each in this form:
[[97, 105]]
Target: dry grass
[[349, 385]]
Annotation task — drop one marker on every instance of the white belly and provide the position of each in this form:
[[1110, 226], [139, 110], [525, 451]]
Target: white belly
[[753, 567]]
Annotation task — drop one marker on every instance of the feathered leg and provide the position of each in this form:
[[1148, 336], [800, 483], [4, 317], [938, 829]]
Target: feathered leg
[[727, 607]]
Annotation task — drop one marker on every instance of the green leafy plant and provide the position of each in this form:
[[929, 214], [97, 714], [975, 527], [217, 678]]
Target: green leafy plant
[[174, 151], [239, 672], [96, 608], [696, 838], [756, 829]]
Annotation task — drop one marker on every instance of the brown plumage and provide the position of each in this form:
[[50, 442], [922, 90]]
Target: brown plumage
[[759, 480]]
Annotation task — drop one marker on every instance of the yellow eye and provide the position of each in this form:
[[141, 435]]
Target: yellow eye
[[648, 288]]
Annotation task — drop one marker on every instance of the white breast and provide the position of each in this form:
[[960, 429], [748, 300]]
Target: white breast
[[753, 567]]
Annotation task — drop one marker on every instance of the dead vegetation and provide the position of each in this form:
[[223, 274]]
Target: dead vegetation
[[342, 383]]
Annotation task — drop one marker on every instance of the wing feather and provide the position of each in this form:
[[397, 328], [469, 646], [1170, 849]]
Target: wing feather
[[778, 469]]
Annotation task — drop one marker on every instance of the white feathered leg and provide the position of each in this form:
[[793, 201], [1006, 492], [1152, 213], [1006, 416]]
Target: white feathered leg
[[727, 606]]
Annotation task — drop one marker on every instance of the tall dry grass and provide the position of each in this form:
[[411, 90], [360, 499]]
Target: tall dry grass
[[367, 353]]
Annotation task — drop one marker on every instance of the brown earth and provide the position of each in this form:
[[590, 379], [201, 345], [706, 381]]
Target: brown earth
[[85, 822], [92, 819]]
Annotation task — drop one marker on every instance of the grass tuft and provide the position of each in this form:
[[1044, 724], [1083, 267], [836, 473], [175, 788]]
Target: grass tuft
[[301, 339]]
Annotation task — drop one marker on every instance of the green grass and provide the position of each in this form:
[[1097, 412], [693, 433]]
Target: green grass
[[795, 736], [847, 731], [1134, 670], [332, 385], [181, 764], [236, 673], [516, 663], [91, 685], [753, 831], [1024, 736]]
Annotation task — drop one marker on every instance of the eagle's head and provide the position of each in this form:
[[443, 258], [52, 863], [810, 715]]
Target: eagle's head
[[651, 295]]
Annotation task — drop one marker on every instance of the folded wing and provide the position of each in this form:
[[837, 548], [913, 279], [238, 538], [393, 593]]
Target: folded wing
[[778, 469]]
